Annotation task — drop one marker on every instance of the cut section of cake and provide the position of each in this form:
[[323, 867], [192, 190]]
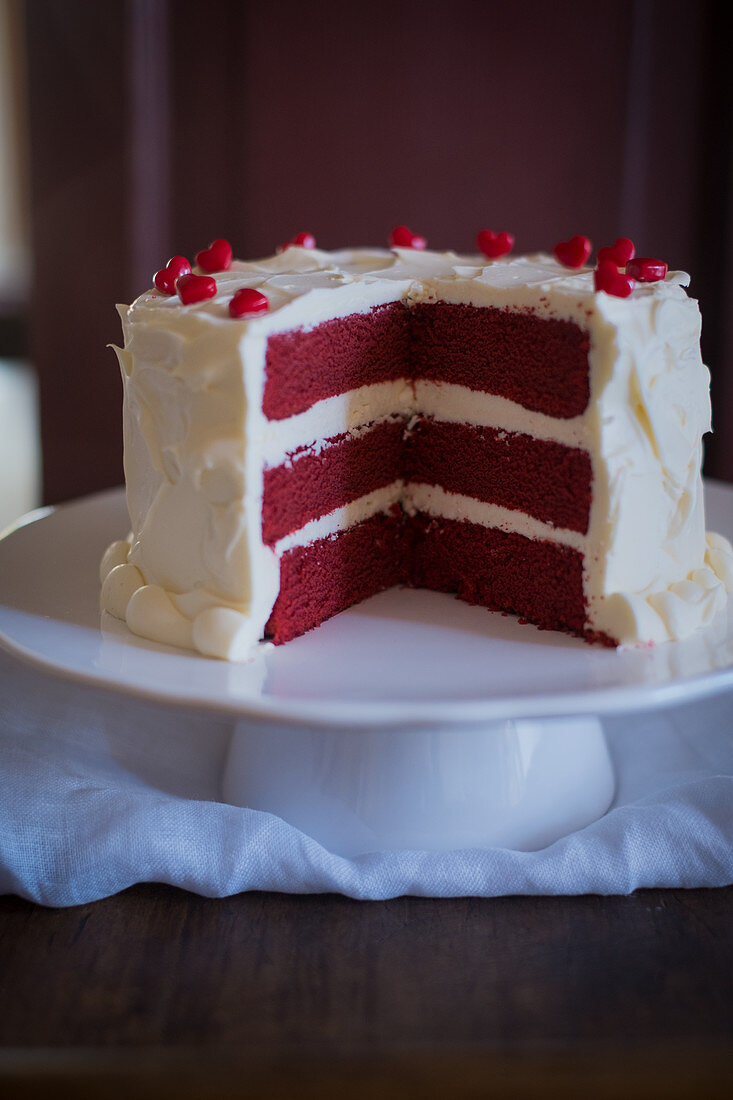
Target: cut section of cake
[[501, 430]]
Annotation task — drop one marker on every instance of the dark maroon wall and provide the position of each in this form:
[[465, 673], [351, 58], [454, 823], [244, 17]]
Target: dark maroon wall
[[159, 124]]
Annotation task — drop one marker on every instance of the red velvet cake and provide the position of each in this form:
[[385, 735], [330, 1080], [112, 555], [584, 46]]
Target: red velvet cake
[[305, 431], [537, 363]]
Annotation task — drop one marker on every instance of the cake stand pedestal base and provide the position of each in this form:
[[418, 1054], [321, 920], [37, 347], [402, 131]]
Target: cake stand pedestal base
[[514, 783]]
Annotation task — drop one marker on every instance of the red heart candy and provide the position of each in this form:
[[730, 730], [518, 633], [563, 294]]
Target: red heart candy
[[573, 253], [620, 252], [247, 300], [608, 277], [195, 288], [300, 240], [646, 270], [402, 237], [217, 257], [165, 279], [493, 245]]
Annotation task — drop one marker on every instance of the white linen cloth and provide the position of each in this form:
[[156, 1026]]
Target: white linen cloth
[[99, 791]]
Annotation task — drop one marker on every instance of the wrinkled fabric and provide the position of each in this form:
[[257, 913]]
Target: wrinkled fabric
[[99, 791]]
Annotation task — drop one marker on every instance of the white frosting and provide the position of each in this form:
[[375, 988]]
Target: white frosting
[[381, 500], [361, 409], [435, 501], [196, 441]]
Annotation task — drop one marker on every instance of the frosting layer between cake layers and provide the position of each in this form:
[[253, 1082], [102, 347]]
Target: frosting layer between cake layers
[[230, 441]]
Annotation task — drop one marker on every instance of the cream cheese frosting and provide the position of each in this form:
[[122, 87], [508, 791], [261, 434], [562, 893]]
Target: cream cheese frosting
[[195, 573]]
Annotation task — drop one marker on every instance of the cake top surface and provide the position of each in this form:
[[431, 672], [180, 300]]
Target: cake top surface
[[297, 276]]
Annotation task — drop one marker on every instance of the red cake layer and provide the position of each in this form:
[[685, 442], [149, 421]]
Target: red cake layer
[[538, 363], [541, 581], [542, 364], [544, 479], [538, 580], [319, 580], [302, 367], [547, 480], [315, 484]]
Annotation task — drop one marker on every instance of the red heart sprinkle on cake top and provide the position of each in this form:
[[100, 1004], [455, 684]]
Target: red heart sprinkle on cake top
[[620, 252], [165, 279], [195, 288], [573, 253], [646, 270], [247, 300], [493, 245], [217, 257], [299, 241], [608, 277], [402, 237]]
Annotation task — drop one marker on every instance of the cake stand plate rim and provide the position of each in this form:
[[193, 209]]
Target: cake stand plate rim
[[58, 638]]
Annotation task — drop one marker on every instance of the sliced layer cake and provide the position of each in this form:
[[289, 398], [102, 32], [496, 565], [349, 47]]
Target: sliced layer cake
[[500, 430]]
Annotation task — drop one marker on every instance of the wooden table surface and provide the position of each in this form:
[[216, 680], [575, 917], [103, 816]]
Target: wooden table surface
[[157, 993]]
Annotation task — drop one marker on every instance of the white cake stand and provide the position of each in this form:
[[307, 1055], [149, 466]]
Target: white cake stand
[[411, 721]]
